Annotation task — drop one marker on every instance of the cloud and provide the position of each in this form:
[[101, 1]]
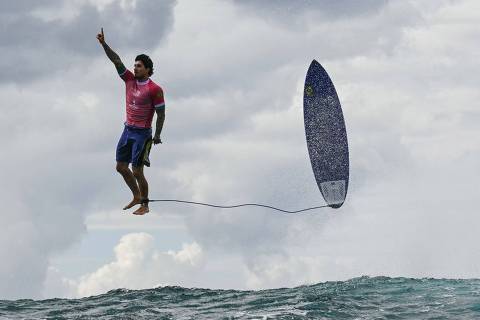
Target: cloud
[[285, 10], [138, 265], [56, 285], [49, 40], [190, 254]]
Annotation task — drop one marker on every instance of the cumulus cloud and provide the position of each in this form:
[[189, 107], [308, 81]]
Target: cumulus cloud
[[138, 265]]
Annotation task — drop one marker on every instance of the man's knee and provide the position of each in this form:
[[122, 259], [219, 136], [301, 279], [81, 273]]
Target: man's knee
[[122, 167], [137, 172]]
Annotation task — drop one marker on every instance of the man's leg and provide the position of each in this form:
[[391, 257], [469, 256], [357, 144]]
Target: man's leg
[[143, 187], [124, 170]]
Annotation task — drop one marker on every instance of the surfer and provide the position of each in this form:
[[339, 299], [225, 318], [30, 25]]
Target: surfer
[[143, 98]]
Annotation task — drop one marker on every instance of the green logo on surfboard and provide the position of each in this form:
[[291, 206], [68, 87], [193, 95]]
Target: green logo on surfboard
[[309, 91]]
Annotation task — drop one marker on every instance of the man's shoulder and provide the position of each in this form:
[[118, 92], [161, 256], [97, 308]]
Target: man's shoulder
[[153, 85], [156, 92], [127, 75]]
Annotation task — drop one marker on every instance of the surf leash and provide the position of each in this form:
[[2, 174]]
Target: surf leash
[[234, 206]]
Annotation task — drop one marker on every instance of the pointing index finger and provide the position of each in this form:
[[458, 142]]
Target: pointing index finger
[[102, 31]]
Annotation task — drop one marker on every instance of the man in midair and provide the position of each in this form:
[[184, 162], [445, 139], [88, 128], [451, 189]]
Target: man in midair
[[143, 98]]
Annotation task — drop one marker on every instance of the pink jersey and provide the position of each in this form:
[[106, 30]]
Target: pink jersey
[[143, 98]]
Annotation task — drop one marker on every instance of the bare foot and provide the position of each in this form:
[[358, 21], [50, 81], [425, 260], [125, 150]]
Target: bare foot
[[142, 210], [134, 202]]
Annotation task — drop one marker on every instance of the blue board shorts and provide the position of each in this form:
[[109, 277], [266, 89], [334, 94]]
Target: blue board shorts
[[134, 146]]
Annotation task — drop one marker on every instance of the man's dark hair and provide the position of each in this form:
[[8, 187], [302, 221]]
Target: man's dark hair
[[147, 62]]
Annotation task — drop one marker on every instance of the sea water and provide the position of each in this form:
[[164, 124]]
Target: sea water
[[359, 298]]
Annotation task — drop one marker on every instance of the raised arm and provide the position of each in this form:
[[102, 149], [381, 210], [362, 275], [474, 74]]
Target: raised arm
[[111, 54]]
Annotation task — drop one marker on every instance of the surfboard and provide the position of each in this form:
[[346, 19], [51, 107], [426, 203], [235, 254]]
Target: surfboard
[[326, 135]]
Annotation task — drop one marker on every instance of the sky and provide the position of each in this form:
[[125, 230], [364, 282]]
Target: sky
[[406, 73]]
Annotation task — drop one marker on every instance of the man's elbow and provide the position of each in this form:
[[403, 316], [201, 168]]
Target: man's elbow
[[161, 113]]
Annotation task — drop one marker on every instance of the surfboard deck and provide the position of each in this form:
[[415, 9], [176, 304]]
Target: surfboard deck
[[326, 135]]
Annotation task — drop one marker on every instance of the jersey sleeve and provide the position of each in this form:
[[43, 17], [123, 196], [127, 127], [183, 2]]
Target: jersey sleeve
[[126, 75], [158, 98]]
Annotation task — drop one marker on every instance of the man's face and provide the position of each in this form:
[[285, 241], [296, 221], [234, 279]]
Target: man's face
[[139, 70]]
